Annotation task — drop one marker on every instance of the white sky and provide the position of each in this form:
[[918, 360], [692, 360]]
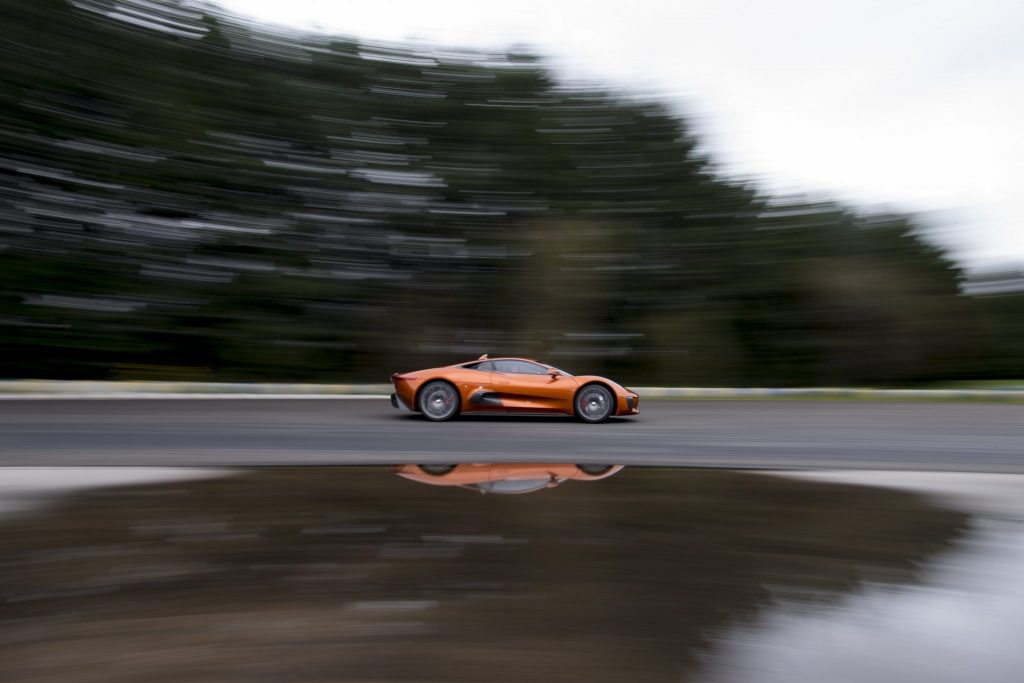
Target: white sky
[[915, 104]]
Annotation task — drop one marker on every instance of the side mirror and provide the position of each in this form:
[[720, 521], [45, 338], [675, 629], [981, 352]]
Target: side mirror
[[555, 374]]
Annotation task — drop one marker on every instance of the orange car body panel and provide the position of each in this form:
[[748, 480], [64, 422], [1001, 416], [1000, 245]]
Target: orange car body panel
[[534, 393], [470, 474], [510, 392]]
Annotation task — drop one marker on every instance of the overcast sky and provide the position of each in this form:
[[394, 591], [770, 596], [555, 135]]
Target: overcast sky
[[917, 104]]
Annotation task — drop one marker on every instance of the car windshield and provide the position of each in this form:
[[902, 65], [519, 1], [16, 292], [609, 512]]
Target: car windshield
[[511, 485]]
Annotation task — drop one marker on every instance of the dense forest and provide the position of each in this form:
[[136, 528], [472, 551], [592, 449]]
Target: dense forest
[[185, 195]]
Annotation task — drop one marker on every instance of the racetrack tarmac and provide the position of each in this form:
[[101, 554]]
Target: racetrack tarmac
[[979, 437]]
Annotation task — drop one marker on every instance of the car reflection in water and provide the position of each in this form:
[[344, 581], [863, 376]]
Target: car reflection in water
[[504, 477]]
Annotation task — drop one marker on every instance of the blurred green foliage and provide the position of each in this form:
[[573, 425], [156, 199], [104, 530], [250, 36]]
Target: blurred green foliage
[[185, 195]]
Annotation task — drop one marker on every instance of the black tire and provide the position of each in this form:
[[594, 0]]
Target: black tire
[[594, 403], [437, 470], [594, 470], [438, 401]]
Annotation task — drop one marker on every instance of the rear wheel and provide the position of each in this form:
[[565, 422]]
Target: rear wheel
[[437, 470], [594, 403], [439, 401]]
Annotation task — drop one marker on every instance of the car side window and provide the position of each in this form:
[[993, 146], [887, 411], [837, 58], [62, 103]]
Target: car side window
[[482, 366], [519, 367]]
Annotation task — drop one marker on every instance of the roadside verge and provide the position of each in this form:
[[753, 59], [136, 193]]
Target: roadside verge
[[61, 389]]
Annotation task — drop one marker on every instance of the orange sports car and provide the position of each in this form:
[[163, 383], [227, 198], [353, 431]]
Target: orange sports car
[[504, 477], [510, 385]]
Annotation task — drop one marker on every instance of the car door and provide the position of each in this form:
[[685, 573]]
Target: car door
[[525, 386]]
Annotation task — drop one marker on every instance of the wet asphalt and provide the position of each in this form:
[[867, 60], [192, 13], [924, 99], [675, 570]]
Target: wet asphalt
[[940, 436]]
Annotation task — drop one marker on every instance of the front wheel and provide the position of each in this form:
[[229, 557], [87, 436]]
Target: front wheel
[[594, 403], [594, 470], [439, 401]]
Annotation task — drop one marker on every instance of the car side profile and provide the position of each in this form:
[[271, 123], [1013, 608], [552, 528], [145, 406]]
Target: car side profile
[[506, 478], [510, 385]]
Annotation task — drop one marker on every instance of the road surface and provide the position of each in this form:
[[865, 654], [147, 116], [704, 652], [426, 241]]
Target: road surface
[[980, 437]]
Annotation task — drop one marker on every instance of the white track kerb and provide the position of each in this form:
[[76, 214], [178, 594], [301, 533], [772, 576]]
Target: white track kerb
[[58, 389]]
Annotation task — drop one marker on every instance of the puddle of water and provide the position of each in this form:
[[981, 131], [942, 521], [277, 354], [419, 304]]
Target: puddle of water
[[961, 622], [26, 488], [358, 573]]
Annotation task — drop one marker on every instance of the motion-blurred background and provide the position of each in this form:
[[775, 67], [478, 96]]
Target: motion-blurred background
[[185, 194]]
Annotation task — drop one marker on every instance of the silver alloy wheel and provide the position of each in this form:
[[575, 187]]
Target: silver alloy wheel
[[594, 470], [437, 470], [438, 401], [594, 403]]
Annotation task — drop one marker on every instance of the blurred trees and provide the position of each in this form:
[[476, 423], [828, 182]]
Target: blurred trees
[[183, 195]]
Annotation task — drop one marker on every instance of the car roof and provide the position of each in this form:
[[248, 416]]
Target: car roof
[[481, 360]]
